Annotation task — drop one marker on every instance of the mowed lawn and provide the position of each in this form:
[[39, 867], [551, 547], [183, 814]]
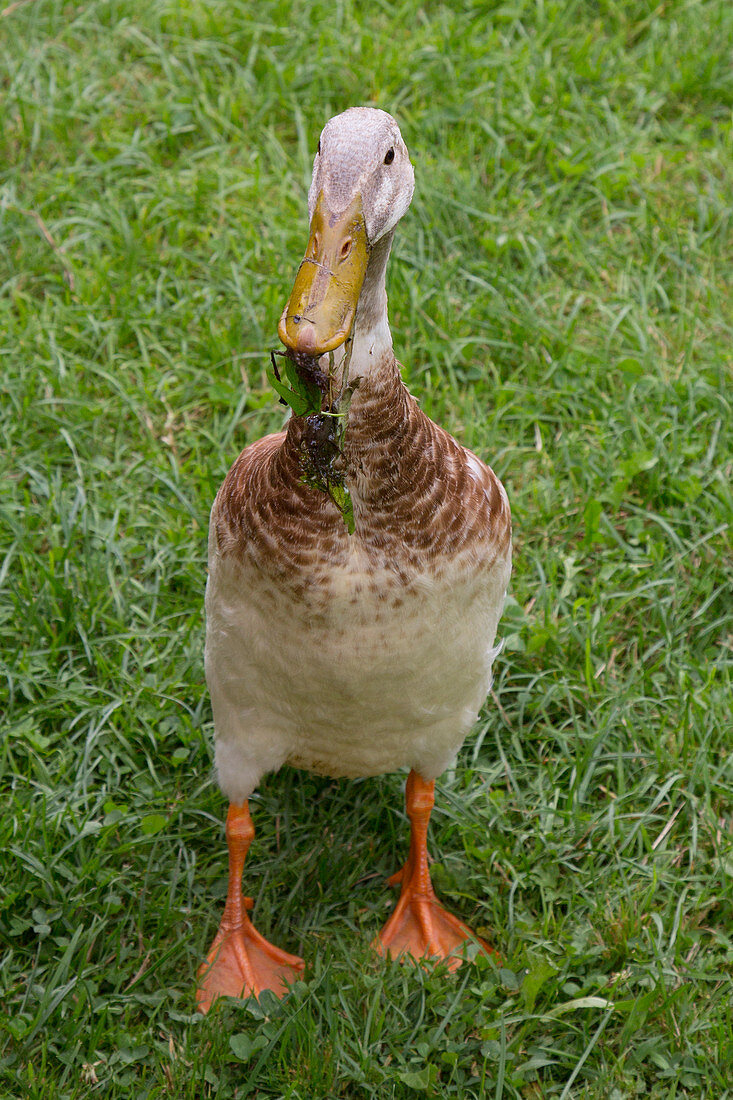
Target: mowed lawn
[[560, 296]]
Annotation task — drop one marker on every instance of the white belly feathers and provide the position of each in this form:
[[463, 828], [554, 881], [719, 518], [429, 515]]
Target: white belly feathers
[[365, 674]]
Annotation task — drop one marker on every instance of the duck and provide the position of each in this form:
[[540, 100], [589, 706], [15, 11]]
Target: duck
[[349, 647]]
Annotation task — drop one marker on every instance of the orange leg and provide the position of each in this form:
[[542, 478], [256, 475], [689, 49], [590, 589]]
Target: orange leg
[[419, 925], [241, 962]]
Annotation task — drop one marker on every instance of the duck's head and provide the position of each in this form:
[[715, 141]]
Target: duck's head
[[362, 185]]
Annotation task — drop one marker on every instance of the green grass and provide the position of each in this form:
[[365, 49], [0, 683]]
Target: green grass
[[560, 297]]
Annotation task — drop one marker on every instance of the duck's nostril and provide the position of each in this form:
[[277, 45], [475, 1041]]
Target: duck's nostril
[[345, 249]]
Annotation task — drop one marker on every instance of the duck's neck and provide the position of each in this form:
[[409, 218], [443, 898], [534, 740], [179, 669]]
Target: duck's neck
[[384, 430], [371, 352]]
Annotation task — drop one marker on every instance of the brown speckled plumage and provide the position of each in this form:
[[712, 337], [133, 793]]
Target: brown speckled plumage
[[418, 505]]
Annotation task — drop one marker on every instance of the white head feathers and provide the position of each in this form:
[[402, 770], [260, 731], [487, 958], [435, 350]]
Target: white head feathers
[[362, 151]]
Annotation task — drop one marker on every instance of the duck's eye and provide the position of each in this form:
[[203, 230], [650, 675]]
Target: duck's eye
[[389, 157]]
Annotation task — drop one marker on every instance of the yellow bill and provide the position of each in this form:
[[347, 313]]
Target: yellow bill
[[320, 314]]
